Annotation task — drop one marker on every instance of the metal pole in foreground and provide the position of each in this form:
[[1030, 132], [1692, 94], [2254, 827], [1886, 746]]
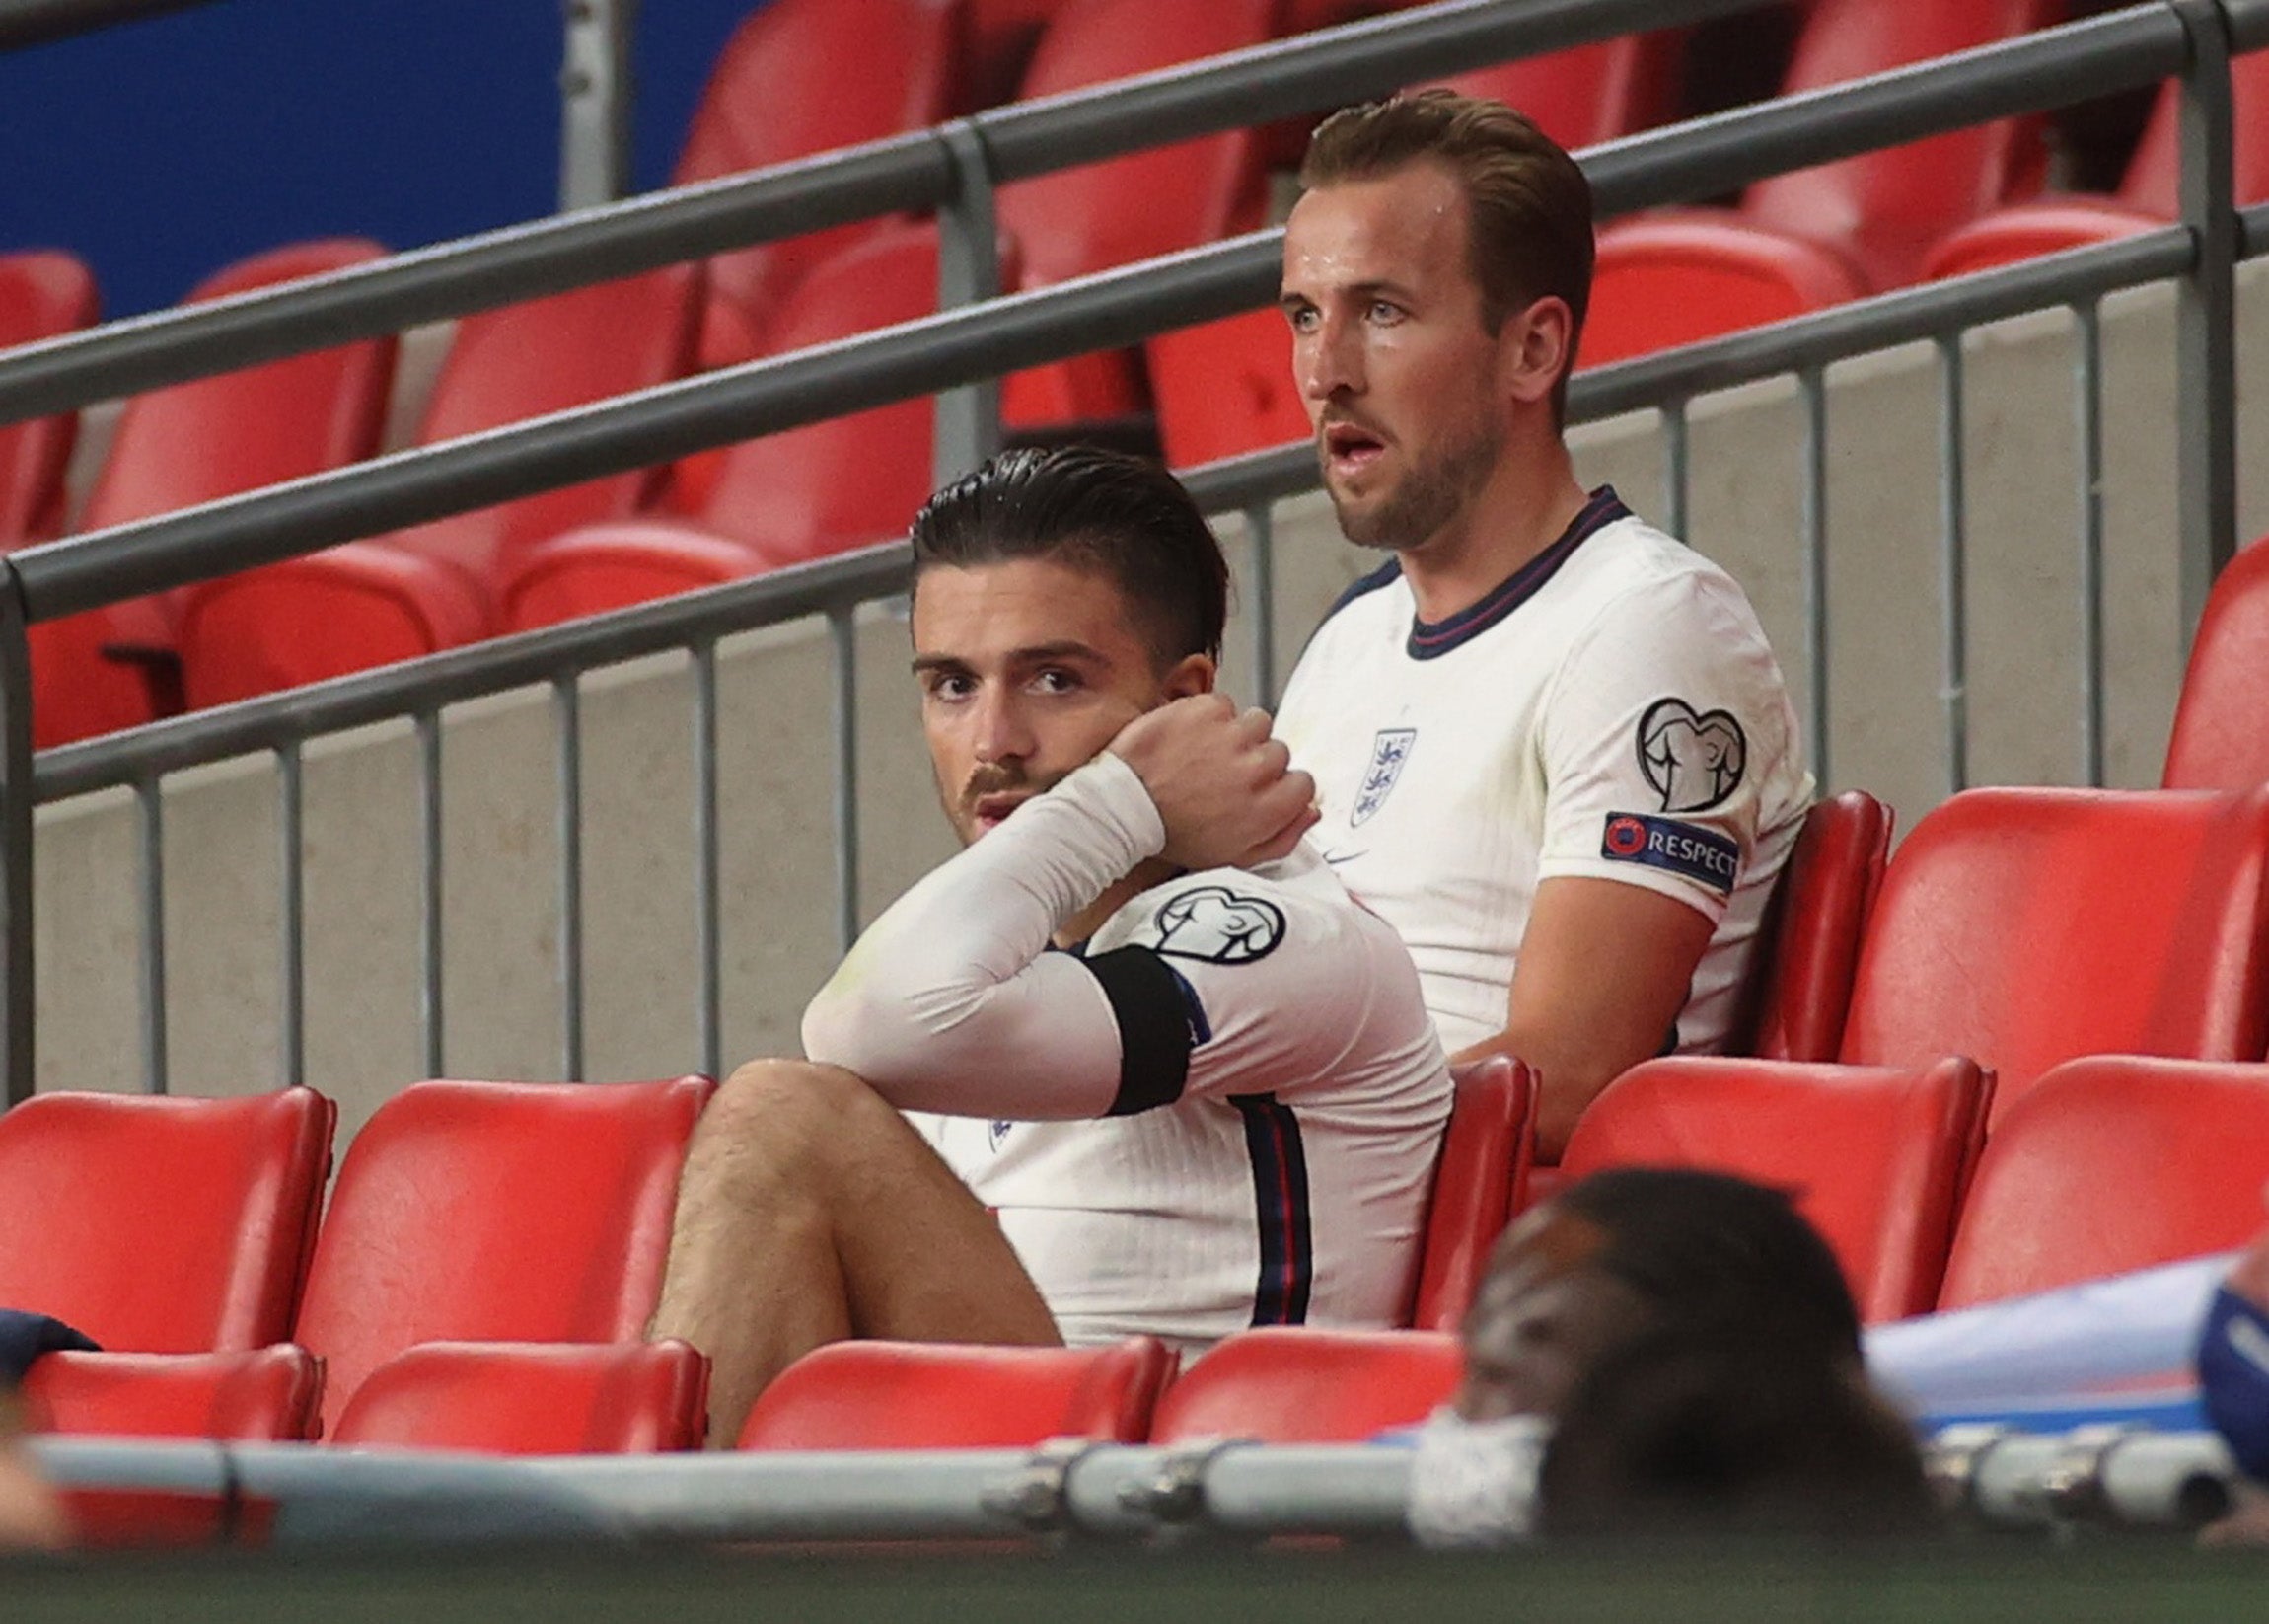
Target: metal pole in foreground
[[2206, 367], [595, 96]]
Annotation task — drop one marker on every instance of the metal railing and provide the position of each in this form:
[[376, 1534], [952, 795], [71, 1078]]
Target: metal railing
[[962, 347], [1069, 1488]]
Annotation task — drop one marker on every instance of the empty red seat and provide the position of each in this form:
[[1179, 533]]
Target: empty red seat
[[1477, 1184], [1296, 1384], [198, 442], [1812, 930], [2221, 740], [497, 1211], [526, 1398], [2110, 1164], [800, 77], [44, 293], [1077, 221], [1673, 279], [374, 602], [1875, 1156], [1816, 236], [926, 1395], [786, 498], [2149, 193], [2025, 928], [253, 1394], [162, 1225]]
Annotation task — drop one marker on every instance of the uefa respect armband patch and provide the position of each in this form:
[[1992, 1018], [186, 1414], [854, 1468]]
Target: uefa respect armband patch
[[1701, 855]]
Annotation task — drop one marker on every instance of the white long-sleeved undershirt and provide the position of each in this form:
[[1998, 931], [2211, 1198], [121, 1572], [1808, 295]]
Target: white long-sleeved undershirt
[[951, 1003]]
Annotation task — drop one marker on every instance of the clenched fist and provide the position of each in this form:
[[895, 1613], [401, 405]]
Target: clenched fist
[[1224, 789]]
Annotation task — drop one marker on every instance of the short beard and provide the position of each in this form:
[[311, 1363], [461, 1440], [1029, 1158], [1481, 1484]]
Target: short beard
[[1427, 498]]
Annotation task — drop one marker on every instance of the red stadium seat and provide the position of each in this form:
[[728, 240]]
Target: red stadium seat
[[2220, 739], [256, 1395], [1477, 1184], [1226, 387], [44, 293], [893, 63], [1664, 280], [599, 567], [1875, 1156], [781, 499], [926, 1395], [198, 442], [497, 1211], [528, 1398], [162, 1225], [2025, 928], [1078, 221], [2148, 194], [1885, 210], [1815, 237], [1296, 1384], [1811, 932], [357, 606], [2109, 1165]]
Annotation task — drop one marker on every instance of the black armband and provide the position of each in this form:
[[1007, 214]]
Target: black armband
[[1159, 1023]]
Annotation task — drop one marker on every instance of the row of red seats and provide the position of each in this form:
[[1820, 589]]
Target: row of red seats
[[2069, 1187]]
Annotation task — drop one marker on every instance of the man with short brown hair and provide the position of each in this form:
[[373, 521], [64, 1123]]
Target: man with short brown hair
[[1550, 745]]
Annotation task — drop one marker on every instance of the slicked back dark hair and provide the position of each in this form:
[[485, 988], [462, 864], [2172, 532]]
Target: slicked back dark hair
[[1121, 516], [1713, 1254]]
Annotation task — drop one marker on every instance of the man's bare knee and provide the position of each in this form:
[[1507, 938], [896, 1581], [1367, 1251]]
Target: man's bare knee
[[776, 1120]]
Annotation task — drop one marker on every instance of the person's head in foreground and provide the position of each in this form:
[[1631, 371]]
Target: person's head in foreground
[[1663, 1349], [1058, 595], [1437, 270]]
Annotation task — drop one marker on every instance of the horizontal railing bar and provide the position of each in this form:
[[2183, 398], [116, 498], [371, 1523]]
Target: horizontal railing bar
[[2253, 230], [38, 21], [1327, 69], [474, 273], [1225, 485], [2051, 68], [643, 428], [2248, 25], [438, 680], [911, 172], [1903, 315]]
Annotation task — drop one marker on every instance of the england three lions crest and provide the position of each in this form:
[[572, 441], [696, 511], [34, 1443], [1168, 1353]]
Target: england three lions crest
[[1389, 751]]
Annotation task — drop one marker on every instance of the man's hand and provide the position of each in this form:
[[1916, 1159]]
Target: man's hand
[[1224, 789]]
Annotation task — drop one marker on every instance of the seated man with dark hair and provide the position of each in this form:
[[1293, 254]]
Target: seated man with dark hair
[[1663, 1348], [1183, 1084]]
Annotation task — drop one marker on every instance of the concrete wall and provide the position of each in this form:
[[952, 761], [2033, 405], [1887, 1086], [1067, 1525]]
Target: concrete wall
[[502, 998]]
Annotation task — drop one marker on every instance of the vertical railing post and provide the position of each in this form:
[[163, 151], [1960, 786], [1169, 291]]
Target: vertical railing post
[[968, 418], [2205, 343], [2088, 382], [595, 96], [1813, 388], [843, 646], [567, 716], [150, 805], [18, 992], [1954, 566], [1260, 528]]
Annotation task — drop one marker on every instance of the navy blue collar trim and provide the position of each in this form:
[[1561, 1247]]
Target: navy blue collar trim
[[1432, 642], [1385, 576]]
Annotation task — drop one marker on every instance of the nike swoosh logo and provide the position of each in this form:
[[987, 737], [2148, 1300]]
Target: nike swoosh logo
[[1346, 856]]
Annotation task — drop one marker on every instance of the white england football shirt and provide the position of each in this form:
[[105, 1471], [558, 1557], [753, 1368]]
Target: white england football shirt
[[1225, 1111], [1612, 710]]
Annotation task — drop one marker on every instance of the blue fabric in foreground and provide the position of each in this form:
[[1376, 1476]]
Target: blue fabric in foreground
[[23, 1336]]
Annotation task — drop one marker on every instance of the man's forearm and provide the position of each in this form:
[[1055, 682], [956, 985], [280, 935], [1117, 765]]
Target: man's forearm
[[948, 1002]]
